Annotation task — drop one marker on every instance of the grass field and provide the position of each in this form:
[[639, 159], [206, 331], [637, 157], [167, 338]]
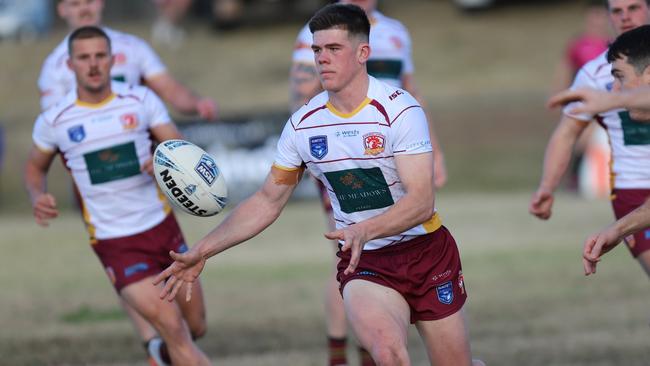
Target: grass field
[[529, 302]]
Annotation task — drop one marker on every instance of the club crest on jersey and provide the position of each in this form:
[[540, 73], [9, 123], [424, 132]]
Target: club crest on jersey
[[318, 146], [207, 169], [445, 293], [76, 133], [129, 121], [374, 143]]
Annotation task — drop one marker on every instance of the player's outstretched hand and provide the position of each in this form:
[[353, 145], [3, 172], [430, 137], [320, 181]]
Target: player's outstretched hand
[[353, 239], [541, 204], [593, 101], [44, 208], [597, 245], [207, 109], [185, 269]]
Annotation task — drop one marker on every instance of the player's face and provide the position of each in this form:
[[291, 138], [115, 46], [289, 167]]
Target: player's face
[[628, 14], [339, 58], [80, 13], [91, 61], [626, 77], [367, 5]]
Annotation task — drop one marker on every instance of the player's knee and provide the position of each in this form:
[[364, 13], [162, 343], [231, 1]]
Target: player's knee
[[389, 353]]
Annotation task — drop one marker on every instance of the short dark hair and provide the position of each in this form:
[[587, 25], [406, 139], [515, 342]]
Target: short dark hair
[[87, 32], [607, 3], [633, 44], [341, 16]]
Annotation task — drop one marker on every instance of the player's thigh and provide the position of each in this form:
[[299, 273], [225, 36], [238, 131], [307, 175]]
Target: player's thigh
[[376, 313], [446, 340], [194, 310], [144, 297]]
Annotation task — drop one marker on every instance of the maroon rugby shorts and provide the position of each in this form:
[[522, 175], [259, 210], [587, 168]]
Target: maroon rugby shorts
[[625, 201], [130, 259], [426, 271]]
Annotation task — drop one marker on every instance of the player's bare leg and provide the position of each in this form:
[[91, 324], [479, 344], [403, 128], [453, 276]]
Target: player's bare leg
[[447, 340], [380, 318], [145, 330], [194, 310], [167, 318]]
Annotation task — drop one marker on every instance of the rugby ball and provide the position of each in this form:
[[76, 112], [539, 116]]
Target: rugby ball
[[190, 178]]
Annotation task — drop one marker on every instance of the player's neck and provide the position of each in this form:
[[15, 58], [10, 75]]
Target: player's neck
[[94, 97], [352, 95]]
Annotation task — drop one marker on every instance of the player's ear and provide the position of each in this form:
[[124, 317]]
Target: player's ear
[[363, 52], [645, 76]]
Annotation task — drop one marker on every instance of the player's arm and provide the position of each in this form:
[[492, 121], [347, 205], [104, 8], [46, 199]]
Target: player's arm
[[440, 168], [247, 220], [36, 168], [415, 207], [604, 241], [556, 160], [595, 101], [180, 97], [304, 84], [160, 133]]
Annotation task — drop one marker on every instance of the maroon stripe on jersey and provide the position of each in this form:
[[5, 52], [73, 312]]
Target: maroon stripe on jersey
[[129, 96], [403, 110], [601, 122], [381, 109], [343, 159], [338, 124], [90, 113], [61, 113], [311, 112]]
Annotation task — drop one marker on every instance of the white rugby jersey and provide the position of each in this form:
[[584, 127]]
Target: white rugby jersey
[[629, 140], [390, 49], [353, 154], [104, 145], [134, 60]]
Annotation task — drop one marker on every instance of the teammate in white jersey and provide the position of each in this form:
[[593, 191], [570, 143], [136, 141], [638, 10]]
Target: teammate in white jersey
[[368, 143], [630, 141], [630, 59], [135, 62], [104, 132], [390, 61]]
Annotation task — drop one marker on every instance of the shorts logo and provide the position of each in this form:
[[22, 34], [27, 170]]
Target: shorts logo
[[629, 240], [182, 248], [129, 121], [374, 143], [318, 146], [366, 273], [207, 169], [76, 133], [138, 267], [445, 293]]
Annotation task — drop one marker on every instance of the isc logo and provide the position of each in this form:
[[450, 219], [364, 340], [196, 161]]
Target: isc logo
[[207, 169], [396, 94]]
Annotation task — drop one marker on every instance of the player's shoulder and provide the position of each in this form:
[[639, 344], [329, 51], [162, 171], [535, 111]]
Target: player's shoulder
[[119, 38], [58, 54], [136, 92], [64, 105], [597, 66], [393, 23], [390, 100], [304, 34], [318, 102]]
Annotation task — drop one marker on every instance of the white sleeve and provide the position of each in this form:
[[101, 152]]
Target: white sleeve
[[156, 111], [287, 155], [582, 80], [410, 132], [302, 52], [51, 89], [150, 63], [43, 135]]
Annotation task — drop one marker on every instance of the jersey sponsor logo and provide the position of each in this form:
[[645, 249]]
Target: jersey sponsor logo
[[634, 132], [207, 169], [136, 268], [374, 143], [112, 163], [360, 189], [76, 133], [445, 293], [396, 94], [318, 146], [120, 78], [129, 121], [177, 193], [350, 133]]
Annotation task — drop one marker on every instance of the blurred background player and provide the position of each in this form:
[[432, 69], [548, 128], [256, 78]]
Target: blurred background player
[[589, 168], [166, 28], [390, 61], [135, 62], [630, 140], [130, 224]]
